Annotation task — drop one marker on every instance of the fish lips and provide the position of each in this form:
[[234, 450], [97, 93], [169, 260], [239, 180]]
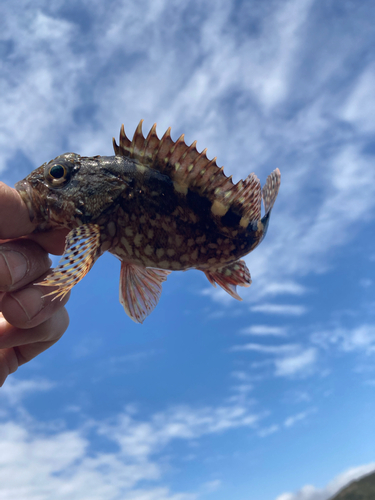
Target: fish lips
[[31, 199]]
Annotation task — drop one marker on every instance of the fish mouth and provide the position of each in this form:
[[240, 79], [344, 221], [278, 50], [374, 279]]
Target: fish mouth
[[27, 194]]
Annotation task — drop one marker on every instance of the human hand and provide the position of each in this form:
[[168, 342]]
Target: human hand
[[29, 323]]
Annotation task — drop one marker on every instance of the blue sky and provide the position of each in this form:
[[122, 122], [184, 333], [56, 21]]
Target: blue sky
[[269, 399]]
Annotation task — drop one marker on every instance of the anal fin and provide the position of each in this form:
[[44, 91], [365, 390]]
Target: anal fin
[[140, 289], [230, 276], [81, 251]]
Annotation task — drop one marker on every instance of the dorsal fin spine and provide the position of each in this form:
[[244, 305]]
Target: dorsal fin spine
[[152, 140], [124, 141], [177, 150], [195, 167], [187, 157], [164, 148], [115, 147], [189, 168], [138, 143]]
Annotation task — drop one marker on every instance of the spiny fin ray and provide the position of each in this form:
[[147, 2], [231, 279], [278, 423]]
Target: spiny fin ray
[[188, 168]]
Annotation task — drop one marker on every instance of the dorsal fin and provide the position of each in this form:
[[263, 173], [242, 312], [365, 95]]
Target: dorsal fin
[[188, 168]]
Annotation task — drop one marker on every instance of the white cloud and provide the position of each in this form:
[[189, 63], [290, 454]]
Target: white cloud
[[15, 390], [219, 295], [38, 89], [51, 462], [282, 309], [290, 359], [360, 106], [360, 338], [277, 331], [268, 349], [328, 183], [273, 288], [243, 388], [310, 492], [293, 419], [241, 375], [261, 75], [143, 439], [267, 431], [301, 363]]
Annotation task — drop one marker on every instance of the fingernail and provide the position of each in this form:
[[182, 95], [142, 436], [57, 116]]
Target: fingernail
[[13, 267], [30, 300]]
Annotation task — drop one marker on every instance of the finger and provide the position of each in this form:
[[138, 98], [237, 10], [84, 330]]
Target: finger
[[25, 345], [52, 241], [30, 307], [50, 330], [14, 215], [21, 261]]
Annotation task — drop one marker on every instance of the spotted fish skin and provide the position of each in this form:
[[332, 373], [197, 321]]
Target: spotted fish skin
[[158, 205]]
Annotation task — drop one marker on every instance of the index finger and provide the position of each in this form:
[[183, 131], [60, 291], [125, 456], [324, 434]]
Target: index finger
[[14, 215]]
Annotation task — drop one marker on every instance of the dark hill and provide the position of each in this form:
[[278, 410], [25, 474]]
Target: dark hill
[[362, 489]]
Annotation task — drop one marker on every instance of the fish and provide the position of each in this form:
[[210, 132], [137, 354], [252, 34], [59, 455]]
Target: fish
[[159, 206]]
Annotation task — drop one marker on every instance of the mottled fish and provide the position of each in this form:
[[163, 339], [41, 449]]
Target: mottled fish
[[159, 206]]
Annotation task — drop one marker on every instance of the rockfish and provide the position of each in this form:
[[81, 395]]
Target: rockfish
[[157, 205]]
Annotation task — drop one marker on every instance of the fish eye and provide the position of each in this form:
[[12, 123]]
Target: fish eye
[[57, 174], [57, 171]]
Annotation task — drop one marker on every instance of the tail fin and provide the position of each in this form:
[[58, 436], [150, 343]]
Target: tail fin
[[270, 190]]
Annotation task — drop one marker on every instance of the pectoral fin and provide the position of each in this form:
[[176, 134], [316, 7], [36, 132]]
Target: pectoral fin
[[81, 251], [230, 276], [140, 289]]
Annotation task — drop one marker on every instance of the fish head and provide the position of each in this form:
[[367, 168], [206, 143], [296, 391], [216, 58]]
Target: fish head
[[70, 190]]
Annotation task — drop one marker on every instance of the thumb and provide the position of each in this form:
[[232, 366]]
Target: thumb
[[14, 215]]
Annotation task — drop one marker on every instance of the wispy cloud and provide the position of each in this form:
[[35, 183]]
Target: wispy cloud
[[283, 288], [257, 77], [293, 419], [267, 431], [260, 330], [52, 462], [282, 309], [241, 375], [140, 440], [300, 363], [252, 84], [360, 105], [360, 338], [268, 349], [289, 359], [15, 390]]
